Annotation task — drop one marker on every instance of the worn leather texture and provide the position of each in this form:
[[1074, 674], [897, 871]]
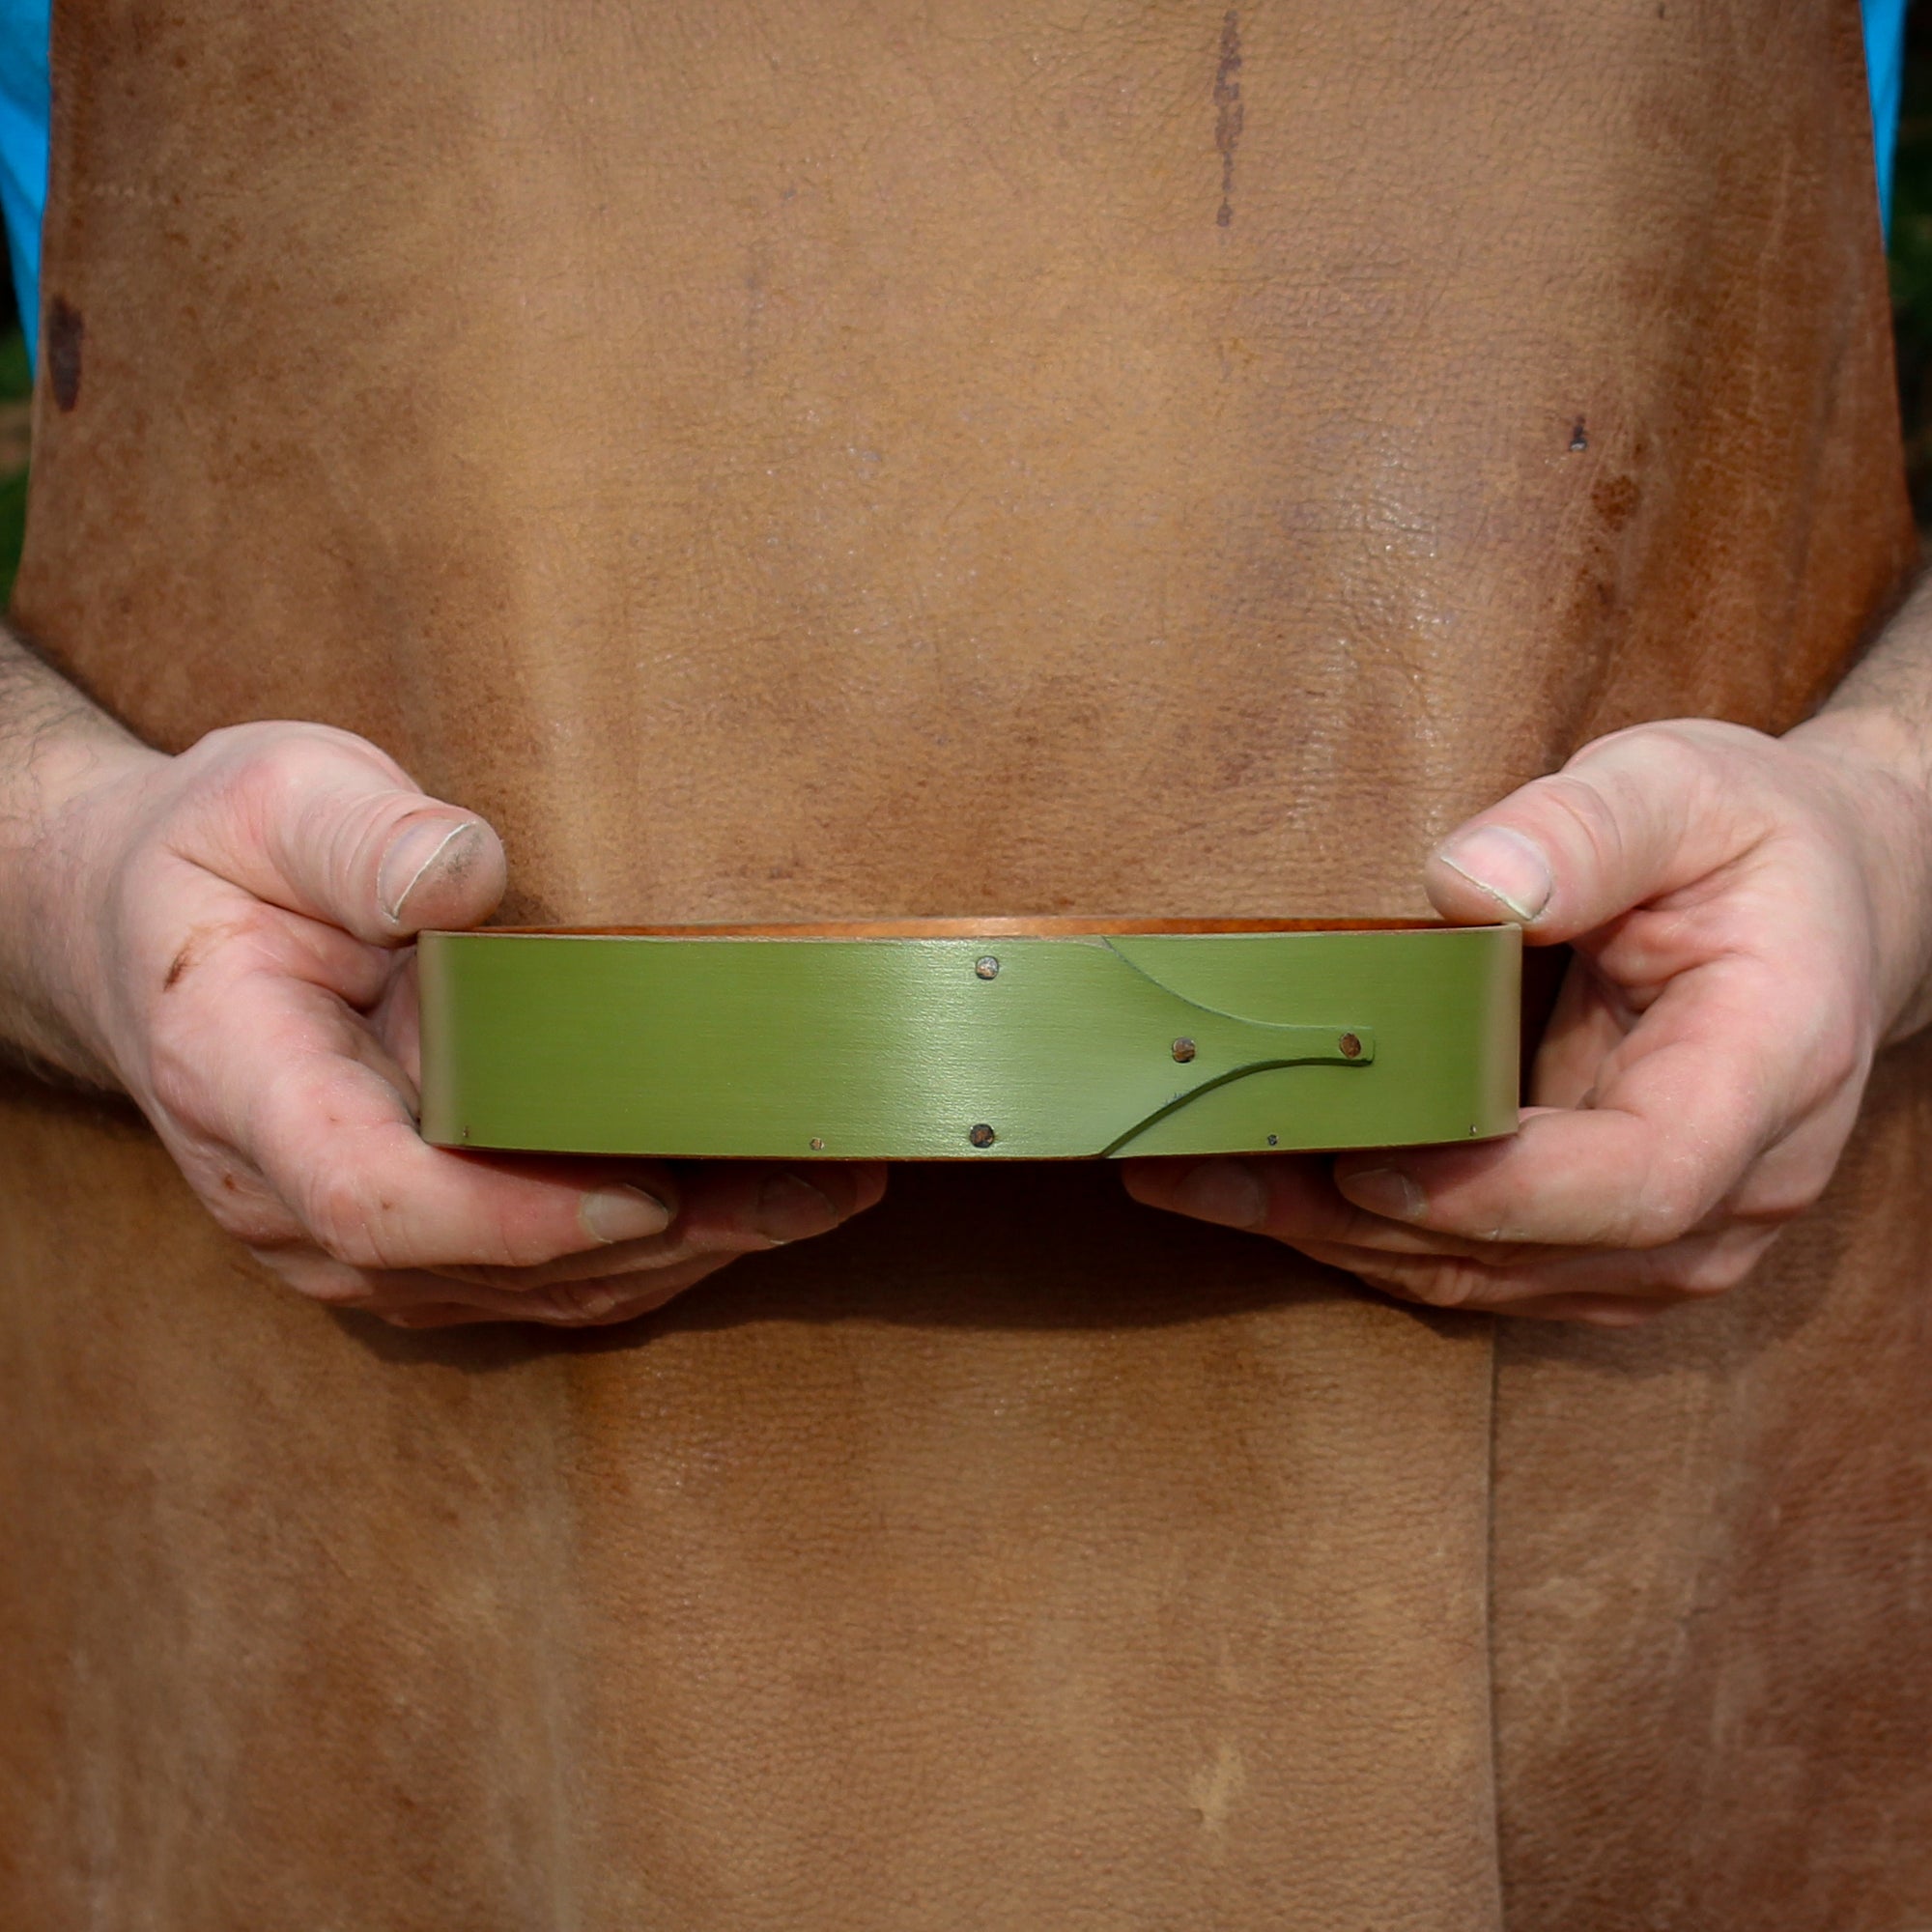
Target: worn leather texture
[[1016, 457]]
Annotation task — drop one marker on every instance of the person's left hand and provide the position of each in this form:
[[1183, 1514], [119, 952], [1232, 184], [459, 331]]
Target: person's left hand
[[1751, 918]]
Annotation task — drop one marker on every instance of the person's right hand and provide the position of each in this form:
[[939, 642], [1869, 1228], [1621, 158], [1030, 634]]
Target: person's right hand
[[225, 934]]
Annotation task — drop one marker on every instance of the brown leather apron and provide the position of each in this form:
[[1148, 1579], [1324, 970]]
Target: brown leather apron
[[1014, 456]]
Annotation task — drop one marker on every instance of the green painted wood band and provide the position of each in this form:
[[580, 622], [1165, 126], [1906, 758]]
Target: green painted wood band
[[987, 1047]]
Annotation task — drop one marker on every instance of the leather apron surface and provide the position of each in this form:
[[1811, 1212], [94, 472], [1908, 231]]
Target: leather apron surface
[[1014, 457]]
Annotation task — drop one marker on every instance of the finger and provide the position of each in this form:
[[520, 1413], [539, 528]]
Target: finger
[[1630, 818], [1588, 1023], [362, 1043], [726, 1201], [396, 1017], [434, 1315], [1294, 1199], [1672, 1146], [402, 1295], [323, 824], [1698, 1268], [729, 1208], [593, 1304], [1712, 1078], [289, 1089], [459, 1315]]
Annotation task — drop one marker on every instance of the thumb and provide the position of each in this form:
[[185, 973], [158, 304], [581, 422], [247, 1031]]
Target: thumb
[[442, 868], [325, 825], [1631, 817]]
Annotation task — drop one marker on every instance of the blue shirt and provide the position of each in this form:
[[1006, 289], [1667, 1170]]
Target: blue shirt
[[23, 148], [1884, 73], [23, 129]]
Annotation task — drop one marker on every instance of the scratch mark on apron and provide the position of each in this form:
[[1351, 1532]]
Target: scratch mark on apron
[[1228, 122]]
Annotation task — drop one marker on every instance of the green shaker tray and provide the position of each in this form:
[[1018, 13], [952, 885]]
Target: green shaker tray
[[972, 1040]]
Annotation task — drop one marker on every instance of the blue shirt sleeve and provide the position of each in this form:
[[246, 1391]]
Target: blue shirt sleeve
[[1885, 72], [23, 148]]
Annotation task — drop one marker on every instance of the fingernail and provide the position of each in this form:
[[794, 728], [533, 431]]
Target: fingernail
[[411, 856], [1386, 1191], [790, 1208], [1506, 865], [1227, 1192], [622, 1214], [583, 1304]]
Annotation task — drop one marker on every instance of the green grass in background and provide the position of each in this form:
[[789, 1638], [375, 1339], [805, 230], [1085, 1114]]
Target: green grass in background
[[13, 532], [17, 385]]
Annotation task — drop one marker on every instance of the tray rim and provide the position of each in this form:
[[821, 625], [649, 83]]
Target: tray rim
[[989, 926]]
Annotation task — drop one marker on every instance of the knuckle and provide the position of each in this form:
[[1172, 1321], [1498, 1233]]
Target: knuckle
[[264, 772], [1671, 1201], [245, 1217], [1437, 1284], [1611, 811], [227, 745], [246, 758], [499, 1253], [1781, 1208], [580, 1301], [509, 1257], [350, 1220], [1681, 749], [1842, 1061], [278, 776], [287, 1254], [418, 1318], [1653, 1222], [1778, 1191], [1715, 1272], [1831, 1049], [177, 1085], [1612, 791], [1582, 800]]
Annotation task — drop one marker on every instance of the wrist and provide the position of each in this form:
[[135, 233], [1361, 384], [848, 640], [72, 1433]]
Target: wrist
[[1880, 766], [67, 797]]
